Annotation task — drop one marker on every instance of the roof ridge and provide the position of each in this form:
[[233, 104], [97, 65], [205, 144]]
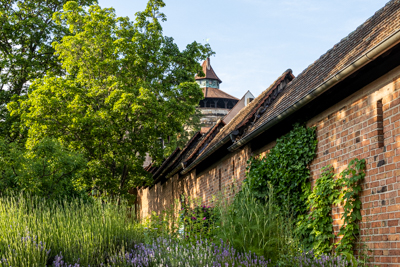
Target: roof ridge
[[206, 136], [207, 91]]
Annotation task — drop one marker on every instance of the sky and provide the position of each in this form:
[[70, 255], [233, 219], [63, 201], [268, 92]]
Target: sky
[[257, 40]]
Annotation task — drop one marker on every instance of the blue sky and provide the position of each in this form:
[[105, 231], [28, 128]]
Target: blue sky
[[257, 40]]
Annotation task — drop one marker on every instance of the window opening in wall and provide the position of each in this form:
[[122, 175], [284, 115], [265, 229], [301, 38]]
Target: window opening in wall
[[220, 182], [381, 141], [233, 167]]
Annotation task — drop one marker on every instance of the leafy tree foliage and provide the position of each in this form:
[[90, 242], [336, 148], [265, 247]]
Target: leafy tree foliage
[[47, 170], [27, 31], [125, 87], [285, 168], [182, 137]]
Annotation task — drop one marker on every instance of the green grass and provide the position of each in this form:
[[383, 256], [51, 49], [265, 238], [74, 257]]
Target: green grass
[[88, 232], [260, 227]]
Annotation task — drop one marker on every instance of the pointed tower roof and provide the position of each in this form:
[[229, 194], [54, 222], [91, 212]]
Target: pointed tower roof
[[208, 71]]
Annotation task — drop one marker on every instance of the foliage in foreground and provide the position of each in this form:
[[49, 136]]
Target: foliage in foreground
[[257, 226], [33, 230], [27, 32], [317, 226]]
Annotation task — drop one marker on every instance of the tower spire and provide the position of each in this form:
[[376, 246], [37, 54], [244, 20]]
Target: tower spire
[[209, 73]]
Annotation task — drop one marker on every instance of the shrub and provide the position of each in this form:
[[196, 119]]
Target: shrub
[[198, 221], [251, 225], [47, 170], [286, 168]]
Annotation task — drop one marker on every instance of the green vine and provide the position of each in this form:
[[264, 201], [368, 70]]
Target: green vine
[[345, 190], [286, 168], [319, 221], [350, 182]]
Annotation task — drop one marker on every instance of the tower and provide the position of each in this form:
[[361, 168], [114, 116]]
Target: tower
[[216, 103]]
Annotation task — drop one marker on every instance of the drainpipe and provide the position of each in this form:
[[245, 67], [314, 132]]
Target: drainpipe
[[357, 64]]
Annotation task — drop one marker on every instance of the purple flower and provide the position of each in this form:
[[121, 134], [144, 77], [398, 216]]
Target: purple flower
[[204, 218]]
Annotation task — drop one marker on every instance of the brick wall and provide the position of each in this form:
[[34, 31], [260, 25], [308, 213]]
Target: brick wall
[[364, 125], [367, 125], [205, 185]]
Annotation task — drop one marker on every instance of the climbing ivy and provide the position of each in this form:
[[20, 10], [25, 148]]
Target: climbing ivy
[[350, 182], [318, 223], [317, 227], [286, 168]]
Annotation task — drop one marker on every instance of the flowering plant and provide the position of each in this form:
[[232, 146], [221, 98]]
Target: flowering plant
[[198, 221]]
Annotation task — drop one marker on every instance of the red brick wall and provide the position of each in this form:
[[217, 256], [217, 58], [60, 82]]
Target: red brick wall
[[345, 131], [205, 185], [352, 129]]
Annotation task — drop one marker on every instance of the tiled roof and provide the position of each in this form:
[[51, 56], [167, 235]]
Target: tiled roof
[[204, 129], [187, 150], [383, 24], [176, 157], [380, 26], [207, 138], [376, 29], [208, 71], [210, 92], [249, 110], [165, 162]]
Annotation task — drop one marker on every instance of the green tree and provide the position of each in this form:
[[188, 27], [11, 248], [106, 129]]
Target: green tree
[[47, 170], [125, 87], [182, 137], [27, 32]]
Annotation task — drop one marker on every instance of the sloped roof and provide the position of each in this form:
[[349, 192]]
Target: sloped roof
[[208, 71], [380, 26], [249, 110], [210, 92], [236, 108], [383, 24], [175, 158], [208, 137], [376, 29]]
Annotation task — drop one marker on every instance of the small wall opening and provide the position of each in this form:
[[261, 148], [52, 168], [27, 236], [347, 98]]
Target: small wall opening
[[379, 121], [220, 180]]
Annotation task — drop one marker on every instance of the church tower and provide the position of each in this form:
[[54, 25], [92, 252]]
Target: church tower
[[216, 103]]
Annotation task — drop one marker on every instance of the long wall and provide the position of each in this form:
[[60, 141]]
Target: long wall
[[364, 125]]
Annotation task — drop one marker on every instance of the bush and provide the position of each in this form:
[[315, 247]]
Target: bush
[[197, 221], [251, 225], [47, 170], [286, 168]]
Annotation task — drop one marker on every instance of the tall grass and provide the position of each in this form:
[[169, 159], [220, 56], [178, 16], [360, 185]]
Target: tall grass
[[260, 227], [33, 231]]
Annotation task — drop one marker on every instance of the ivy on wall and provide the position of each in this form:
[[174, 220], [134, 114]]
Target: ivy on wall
[[328, 191], [286, 168], [350, 183], [316, 227]]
